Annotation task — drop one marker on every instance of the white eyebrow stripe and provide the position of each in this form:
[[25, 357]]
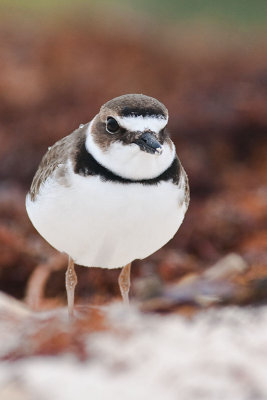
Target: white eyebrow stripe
[[141, 123]]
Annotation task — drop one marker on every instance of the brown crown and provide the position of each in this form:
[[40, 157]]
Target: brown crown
[[134, 105]]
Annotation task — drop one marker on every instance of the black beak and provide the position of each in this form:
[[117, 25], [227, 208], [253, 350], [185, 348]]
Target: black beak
[[147, 142]]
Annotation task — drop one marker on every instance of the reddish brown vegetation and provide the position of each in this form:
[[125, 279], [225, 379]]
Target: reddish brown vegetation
[[51, 81]]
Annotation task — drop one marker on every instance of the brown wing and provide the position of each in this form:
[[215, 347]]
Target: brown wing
[[183, 180], [55, 157], [187, 190]]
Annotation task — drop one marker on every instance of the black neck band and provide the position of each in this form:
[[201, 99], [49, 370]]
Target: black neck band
[[86, 164]]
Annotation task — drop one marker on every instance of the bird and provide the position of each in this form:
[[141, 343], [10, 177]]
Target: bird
[[112, 191]]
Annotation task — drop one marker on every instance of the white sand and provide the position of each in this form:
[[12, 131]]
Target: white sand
[[220, 354]]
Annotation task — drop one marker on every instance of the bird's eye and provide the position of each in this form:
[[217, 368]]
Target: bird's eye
[[112, 125]]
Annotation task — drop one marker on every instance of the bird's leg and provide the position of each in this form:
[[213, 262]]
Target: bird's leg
[[124, 282], [71, 282]]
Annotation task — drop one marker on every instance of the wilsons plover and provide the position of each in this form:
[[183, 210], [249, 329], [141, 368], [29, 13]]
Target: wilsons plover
[[111, 192]]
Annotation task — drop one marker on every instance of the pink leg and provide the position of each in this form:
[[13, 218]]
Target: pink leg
[[71, 282], [124, 283]]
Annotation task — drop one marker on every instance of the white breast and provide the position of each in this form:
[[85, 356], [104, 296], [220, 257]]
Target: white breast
[[107, 224]]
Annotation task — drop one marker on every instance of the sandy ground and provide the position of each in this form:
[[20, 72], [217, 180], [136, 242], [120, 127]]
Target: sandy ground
[[218, 354]]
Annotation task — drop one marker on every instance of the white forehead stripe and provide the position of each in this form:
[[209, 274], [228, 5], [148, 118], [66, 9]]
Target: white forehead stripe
[[141, 123]]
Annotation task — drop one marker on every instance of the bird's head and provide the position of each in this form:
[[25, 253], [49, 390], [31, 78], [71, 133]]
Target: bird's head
[[129, 137]]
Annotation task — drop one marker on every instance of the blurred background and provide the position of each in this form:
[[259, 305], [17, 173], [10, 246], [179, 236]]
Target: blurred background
[[207, 62]]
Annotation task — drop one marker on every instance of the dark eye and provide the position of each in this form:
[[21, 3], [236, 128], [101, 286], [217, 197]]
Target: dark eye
[[112, 125]]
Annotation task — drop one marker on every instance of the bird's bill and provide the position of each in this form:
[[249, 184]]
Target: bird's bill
[[148, 143]]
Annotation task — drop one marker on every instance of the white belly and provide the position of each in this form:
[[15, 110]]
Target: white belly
[[106, 224]]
